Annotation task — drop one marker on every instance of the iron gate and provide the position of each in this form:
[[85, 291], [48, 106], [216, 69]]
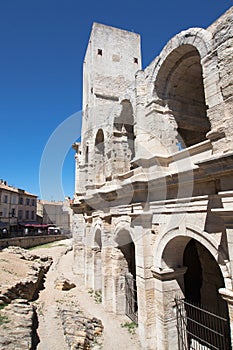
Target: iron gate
[[200, 329], [131, 297]]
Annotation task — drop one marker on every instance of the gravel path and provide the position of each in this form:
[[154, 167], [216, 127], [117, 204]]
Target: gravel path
[[50, 329]]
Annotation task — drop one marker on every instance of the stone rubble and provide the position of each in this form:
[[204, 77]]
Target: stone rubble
[[64, 284], [80, 332], [18, 316], [18, 324]]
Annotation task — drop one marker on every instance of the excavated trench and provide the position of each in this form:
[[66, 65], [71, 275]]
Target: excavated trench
[[18, 315], [22, 304]]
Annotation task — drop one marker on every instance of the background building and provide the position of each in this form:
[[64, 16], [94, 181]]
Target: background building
[[55, 213], [17, 207]]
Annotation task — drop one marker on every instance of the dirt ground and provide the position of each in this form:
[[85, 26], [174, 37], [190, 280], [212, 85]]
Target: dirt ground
[[50, 328]]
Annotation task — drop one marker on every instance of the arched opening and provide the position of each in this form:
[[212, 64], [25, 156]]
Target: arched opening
[[179, 84], [99, 157], [201, 319], [202, 281], [97, 260], [123, 139], [127, 248], [99, 141], [203, 278]]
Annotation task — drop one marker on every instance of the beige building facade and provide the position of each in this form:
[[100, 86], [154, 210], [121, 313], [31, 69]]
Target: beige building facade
[[153, 206], [57, 213], [17, 206]]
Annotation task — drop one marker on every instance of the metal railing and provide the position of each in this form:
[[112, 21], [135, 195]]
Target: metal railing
[[131, 298], [199, 328]]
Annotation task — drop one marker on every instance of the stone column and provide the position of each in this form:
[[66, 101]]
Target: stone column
[[89, 268], [142, 238], [227, 295], [76, 147], [97, 268], [78, 265], [141, 134], [119, 269], [167, 287], [89, 272], [107, 280], [226, 214], [107, 283]]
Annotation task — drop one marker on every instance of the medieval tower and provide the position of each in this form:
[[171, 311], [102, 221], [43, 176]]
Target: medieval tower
[[153, 206]]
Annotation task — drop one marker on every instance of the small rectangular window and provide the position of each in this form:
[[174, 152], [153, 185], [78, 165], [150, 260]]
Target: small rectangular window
[[5, 199], [100, 52], [135, 60]]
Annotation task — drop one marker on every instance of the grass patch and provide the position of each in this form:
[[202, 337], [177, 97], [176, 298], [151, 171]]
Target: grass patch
[[3, 320], [130, 326], [2, 306], [46, 245], [97, 295]]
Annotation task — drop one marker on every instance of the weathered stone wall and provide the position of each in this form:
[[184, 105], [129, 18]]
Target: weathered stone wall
[[158, 173], [28, 242]]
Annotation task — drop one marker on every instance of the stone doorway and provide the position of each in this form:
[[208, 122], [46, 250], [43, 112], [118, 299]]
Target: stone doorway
[[131, 306], [127, 265]]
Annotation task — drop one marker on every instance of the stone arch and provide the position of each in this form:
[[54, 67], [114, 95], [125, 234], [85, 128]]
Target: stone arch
[[99, 157], [99, 141], [180, 82], [200, 38], [97, 236], [190, 260], [174, 240], [125, 273]]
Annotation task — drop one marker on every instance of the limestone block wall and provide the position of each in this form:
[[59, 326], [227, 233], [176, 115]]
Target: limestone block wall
[[223, 44], [153, 159]]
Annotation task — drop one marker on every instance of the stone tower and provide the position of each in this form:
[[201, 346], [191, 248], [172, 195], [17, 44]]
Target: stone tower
[[153, 211], [113, 57]]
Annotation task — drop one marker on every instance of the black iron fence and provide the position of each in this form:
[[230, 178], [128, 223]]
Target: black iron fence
[[201, 329], [131, 297]]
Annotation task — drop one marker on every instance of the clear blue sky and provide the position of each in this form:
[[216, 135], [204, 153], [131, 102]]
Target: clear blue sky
[[42, 48]]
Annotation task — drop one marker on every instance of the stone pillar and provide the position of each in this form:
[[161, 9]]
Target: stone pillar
[[89, 271], [141, 134], [119, 269], [226, 214], [229, 232], [76, 147], [78, 265], [168, 284], [142, 238], [89, 268], [79, 261], [227, 295], [107, 281], [97, 268]]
